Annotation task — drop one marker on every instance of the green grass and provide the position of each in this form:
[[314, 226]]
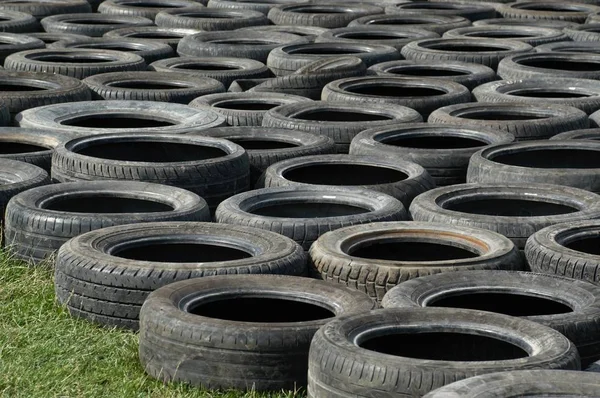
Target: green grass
[[44, 352]]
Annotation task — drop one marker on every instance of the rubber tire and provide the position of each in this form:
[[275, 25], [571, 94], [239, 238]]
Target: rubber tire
[[483, 168], [33, 232], [532, 35], [543, 23], [183, 118], [584, 33], [209, 19], [306, 229], [18, 177], [387, 36], [586, 47], [18, 22], [11, 43], [583, 134], [434, 23], [415, 377], [308, 32], [331, 259], [100, 285], [426, 50], [431, 206], [446, 163], [417, 179], [438, 93], [269, 356], [555, 118], [512, 68], [129, 7], [338, 17], [42, 9], [239, 115], [508, 91], [168, 36], [183, 87], [342, 132], [98, 24], [289, 58], [519, 10], [243, 85], [581, 325], [470, 11], [261, 6], [50, 38]]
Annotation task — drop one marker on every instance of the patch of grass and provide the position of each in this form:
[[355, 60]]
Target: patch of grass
[[44, 352]]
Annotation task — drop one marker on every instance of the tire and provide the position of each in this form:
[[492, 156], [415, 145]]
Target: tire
[[488, 52], [506, 208], [265, 358], [93, 25], [587, 32], [536, 297], [398, 178], [308, 32], [305, 213], [422, 95], [18, 177], [308, 81], [168, 36], [376, 257], [209, 19], [321, 15], [143, 8], [266, 146], [13, 43], [583, 134], [261, 6], [585, 47], [289, 58], [382, 35], [517, 383], [26, 90], [178, 88], [434, 23], [582, 94], [468, 74], [439, 359], [30, 146], [244, 109], [50, 38], [532, 35], [443, 150], [566, 11], [550, 65], [149, 50], [65, 62], [542, 23], [234, 44], [18, 22], [470, 11], [42, 9], [524, 121], [37, 223], [340, 121], [94, 117], [243, 85], [99, 282], [571, 163]]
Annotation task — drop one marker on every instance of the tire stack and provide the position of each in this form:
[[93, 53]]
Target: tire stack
[[380, 198]]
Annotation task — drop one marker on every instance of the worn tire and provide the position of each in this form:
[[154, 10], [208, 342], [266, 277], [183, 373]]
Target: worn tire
[[41, 9], [583, 134], [321, 15], [373, 34], [50, 38], [18, 22], [543, 23], [586, 47], [209, 19], [470, 11], [550, 65], [93, 25], [532, 35], [168, 36], [584, 33], [18, 177], [263, 6], [308, 32], [11, 43], [566, 11], [434, 23], [143, 8]]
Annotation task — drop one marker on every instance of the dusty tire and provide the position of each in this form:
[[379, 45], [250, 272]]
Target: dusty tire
[[31, 146], [543, 23], [434, 23], [550, 65], [320, 15], [470, 11], [532, 35], [374, 258], [11, 43], [209, 19], [575, 12], [583, 134], [41, 9], [18, 22], [50, 38], [168, 36], [308, 32], [373, 34], [93, 25], [143, 8], [586, 47], [18, 177], [263, 6]]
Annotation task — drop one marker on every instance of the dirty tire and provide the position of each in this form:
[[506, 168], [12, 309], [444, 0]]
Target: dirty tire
[[18, 177], [550, 65], [434, 23], [320, 15], [93, 25]]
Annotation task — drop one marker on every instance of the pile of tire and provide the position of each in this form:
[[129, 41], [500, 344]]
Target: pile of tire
[[380, 198]]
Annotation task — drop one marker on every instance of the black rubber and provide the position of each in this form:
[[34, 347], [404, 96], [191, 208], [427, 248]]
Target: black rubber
[[399, 178], [426, 349], [143, 8], [150, 50], [305, 213], [468, 74], [515, 210], [17, 22], [289, 58], [550, 65], [152, 86], [244, 109], [308, 32], [566, 11], [533, 35], [17, 177], [470, 11], [340, 121], [93, 25], [170, 36], [434, 23], [571, 163], [587, 32], [488, 52], [108, 285], [374, 258], [98, 117], [40, 220], [269, 346], [582, 94], [421, 94], [567, 306], [209, 19], [262, 6], [443, 150], [41, 9], [583, 134], [321, 15], [526, 22], [213, 168], [50, 38], [374, 34], [524, 121], [78, 63], [266, 146], [11, 43], [238, 44]]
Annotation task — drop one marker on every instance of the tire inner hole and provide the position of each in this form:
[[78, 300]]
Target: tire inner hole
[[410, 250], [16, 147], [308, 210], [205, 67], [115, 122], [8, 86], [575, 66], [74, 59], [99, 203], [157, 35], [153, 5], [207, 15], [467, 48], [94, 22], [552, 159], [372, 36], [181, 252], [389, 90], [148, 85], [590, 245], [556, 93], [425, 71], [252, 144], [500, 115], [332, 115], [325, 51], [498, 35], [148, 151], [108, 46], [246, 105], [433, 142], [510, 208], [344, 174]]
